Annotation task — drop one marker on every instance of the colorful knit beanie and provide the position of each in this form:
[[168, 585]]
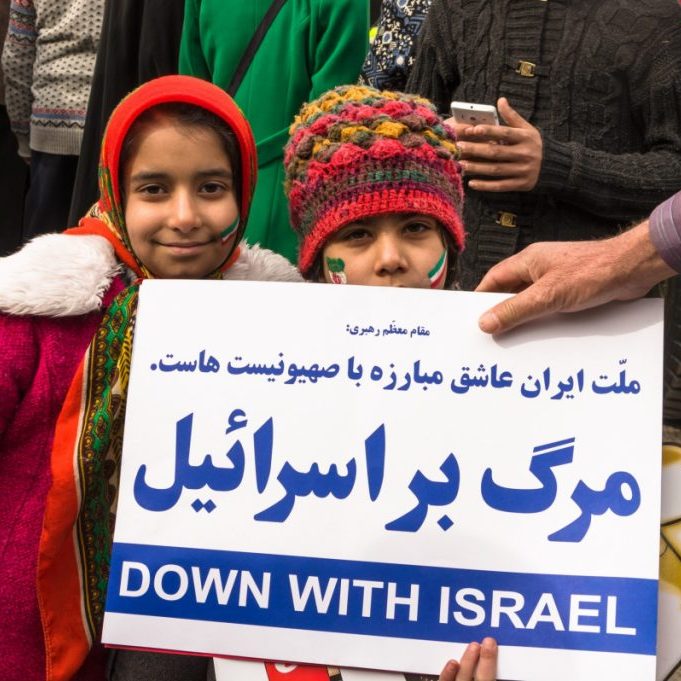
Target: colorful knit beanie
[[357, 152]]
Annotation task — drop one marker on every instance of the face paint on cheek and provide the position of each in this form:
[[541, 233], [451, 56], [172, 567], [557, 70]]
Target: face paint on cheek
[[336, 268], [226, 233], [439, 272]]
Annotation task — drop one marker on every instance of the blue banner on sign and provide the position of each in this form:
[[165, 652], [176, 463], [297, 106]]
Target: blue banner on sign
[[607, 614]]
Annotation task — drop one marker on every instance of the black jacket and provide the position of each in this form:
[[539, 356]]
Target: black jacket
[[604, 89]]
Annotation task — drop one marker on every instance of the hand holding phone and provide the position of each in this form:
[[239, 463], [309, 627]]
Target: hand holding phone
[[468, 113], [498, 158]]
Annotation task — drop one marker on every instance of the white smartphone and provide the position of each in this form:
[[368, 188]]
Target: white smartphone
[[474, 114]]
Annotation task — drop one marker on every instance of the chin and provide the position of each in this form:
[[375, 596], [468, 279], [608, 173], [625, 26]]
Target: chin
[[184, 272], [192, 268]]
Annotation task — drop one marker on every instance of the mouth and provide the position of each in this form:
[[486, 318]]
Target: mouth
[[184, 247]]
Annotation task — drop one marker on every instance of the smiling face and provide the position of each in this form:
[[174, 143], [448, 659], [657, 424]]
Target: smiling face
[[180, 200], [387, 250]]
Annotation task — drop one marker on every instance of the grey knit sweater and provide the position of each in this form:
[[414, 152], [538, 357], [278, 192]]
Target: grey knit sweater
[[48, 60], [4, 20], [604, 90]]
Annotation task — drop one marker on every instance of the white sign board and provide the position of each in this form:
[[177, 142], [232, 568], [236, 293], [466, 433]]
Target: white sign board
[[359, 477]]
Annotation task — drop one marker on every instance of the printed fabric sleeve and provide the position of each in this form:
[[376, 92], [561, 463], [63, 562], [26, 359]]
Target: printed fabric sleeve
[[340, 36], [435, 72], [18, 56], [665, 231], [621, 185], [191, 60], [391, 54], [18, 358]]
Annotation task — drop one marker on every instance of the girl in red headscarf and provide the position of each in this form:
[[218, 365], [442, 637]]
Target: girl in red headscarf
[[176, 178]]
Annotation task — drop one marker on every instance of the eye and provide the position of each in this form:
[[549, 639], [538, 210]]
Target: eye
[[354, 234], [213, 187], [151, 190], [417, 227]]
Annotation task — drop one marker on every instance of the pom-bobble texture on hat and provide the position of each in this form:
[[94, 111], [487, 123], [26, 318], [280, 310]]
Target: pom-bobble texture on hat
[[357, 152]]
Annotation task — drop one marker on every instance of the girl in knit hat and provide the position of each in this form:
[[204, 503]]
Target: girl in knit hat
[[375, 195], [176, 176], [374, 190]]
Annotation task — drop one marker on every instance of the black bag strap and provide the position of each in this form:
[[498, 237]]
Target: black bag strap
[[253, 46]]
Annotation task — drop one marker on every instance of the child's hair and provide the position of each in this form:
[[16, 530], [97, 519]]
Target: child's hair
[[357, 152], [187, 116]]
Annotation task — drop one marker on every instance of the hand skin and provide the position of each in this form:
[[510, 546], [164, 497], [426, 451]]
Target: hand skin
[[510, 155], [478, 663], [568, 276]]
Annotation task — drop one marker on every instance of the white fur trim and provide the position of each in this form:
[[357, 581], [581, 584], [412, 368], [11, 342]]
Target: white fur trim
[[57, 275], [260, 264]]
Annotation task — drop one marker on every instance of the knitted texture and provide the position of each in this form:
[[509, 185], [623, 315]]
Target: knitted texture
[[48, 61], [605, 95], [4, 21], [356, 152]]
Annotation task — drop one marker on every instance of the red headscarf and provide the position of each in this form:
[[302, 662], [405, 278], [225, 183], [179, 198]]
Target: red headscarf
[[107, 217]]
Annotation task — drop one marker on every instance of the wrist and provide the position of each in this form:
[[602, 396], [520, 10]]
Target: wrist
[[639, 263]]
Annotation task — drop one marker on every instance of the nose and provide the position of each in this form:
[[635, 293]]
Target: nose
[[390, 256], [184, 214]]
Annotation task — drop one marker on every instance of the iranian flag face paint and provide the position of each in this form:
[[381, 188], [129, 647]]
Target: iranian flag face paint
[[226, 233], [406, 250], [336, 267], [439, 272]]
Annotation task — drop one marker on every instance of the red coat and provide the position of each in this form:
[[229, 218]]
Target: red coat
[[38, 359]]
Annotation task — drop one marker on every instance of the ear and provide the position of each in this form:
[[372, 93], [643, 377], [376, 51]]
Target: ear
[[316, 272]]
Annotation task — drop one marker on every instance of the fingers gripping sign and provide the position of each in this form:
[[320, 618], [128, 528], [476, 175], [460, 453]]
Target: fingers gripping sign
[[501, 158], [546, 278], [569, 276], [478, 663]]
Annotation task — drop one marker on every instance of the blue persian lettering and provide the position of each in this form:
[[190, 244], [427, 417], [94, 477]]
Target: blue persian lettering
[[593, 502], [429, 493], [530, 500], [391, 329], [621, 493], [189, 476], [494, 379], [210, 365], [301, 484], [544, 383]]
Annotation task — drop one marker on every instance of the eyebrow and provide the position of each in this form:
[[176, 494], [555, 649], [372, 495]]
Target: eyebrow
[[151, 175], [217, 172]]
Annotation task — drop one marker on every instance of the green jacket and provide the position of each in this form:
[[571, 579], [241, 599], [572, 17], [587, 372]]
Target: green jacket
[[312, 46]]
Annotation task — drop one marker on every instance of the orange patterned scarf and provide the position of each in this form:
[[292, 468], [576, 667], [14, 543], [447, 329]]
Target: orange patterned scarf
[[75, 546]]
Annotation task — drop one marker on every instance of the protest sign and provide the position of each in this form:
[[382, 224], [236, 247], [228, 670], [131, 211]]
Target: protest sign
[[669, 611], [359, 477]]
